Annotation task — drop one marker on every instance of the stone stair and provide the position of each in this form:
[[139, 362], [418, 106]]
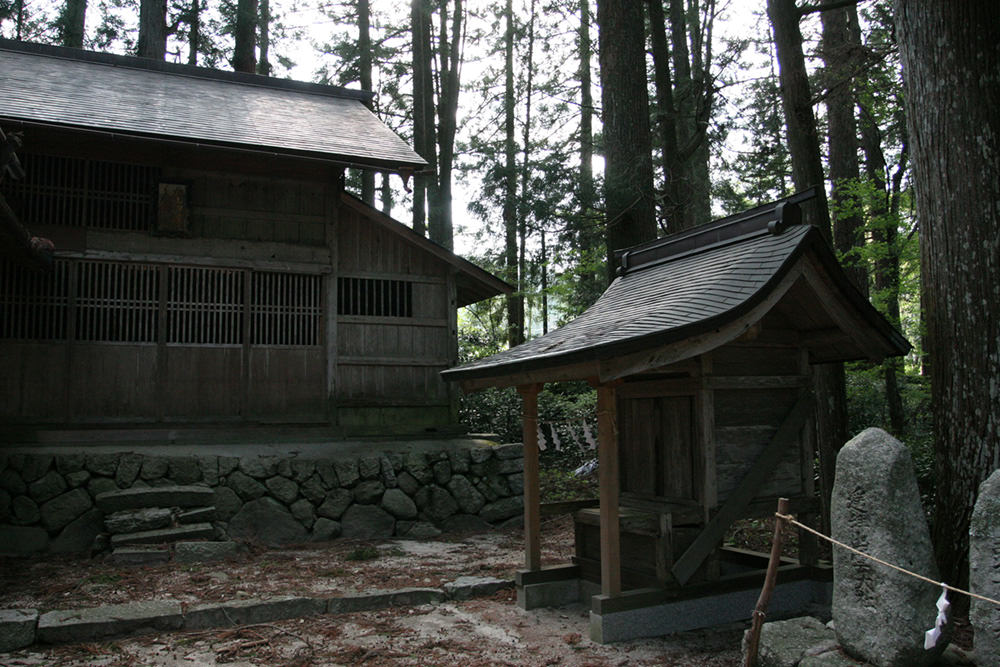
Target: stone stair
[[146, 524]]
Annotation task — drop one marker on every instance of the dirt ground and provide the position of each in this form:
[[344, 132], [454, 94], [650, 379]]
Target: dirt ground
[[485, 631]]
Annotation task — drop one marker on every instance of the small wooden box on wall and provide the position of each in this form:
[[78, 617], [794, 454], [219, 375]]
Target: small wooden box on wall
[[173, 215]]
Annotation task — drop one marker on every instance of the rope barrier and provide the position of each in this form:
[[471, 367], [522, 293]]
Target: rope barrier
[[790, 519]]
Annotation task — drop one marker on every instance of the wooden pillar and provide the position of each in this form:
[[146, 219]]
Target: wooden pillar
[[607, 438], [808, 546], [331, 226], [532, 499]]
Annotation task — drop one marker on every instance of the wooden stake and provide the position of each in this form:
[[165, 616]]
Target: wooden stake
[[760, 611]]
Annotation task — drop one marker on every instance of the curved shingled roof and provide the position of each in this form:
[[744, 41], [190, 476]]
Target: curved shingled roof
[[139, 97], [684, 291]]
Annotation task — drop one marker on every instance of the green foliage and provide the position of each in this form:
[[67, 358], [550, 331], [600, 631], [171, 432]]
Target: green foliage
[[560, 484]]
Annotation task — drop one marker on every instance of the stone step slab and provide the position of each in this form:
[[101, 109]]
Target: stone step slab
[[134, 521], [140, 555], [160, 496], [197, 515], [247, 612], [17, 628], [85, 625], [202, 552], [195, 531]]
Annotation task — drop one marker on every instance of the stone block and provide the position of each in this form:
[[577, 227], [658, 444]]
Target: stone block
[[369, 492], [468, 587], [35, 466], [515, 483], [511, 451], [367, 522], [140, 555], [227, 465], [184, 470], [304, 512], [164, 496], [154, 467], [247, 612], [79, 535], [480, 454], [195, 531], [313, 489], [374, 600], [327, 475], [302, 470], [102, 464], [548, 594], [347, 472], [325, 530], [406, 482], [417, 530], [510, 466], [98, 485], [203, 552], [416, 465], [17, 628], [469, 500], [459, 459], [984, 569], [209, 466], [369, 467], [197, 515], [387, 473], [786, 643], [442, 472], [335, 503], [61, 510], [67, 463], [24, 511], [282, 489], [128, 470], [266, 521], [259, 467], [439, 504], [880, 615], [398, 504], [11, 482], [226, 502], [502, 509], [23, 540], [47, 487], [87, 625], [77, 478], [245, 486], [133, 521]]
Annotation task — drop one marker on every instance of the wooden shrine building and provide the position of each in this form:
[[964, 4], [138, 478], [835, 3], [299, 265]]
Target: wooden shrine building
[[701, 351], [208, 266]]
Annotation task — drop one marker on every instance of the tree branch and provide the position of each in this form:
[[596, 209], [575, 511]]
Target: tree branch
[[825, 6]]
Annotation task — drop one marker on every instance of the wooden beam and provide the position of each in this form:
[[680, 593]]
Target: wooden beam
[[787, 435], [532, 496], [757, 382], [580, 371], [607, 438]]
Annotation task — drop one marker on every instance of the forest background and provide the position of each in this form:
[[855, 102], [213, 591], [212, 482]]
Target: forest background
[[560, 130]]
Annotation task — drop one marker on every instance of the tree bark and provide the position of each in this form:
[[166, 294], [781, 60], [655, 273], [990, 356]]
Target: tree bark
[[244, 53], [449, 60], [365, 75], [807, 170], [72, 22], [264, 38], [842, 142], [951, 68], [194, 31], [424, 135], [515, 302], [152, 29], [628, 172], [673, 206]]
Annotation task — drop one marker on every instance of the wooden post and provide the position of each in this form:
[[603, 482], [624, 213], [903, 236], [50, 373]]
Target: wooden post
[[760, 611], [332, 229], [607, 437], [532, 500]]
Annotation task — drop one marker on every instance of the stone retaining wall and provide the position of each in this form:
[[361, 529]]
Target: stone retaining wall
[[47, 500]]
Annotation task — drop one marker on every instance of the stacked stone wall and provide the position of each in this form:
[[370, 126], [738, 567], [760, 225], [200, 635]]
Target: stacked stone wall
[[47, 501]]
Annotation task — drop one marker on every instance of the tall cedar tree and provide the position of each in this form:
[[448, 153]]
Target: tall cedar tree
[[515, 302], [840, 65], [365, 72], [450, 54], [194, 31], [152, 29], [244, 52], [628, 171], [951, 68], [807, 171], [424, 135], [71, 22], [264, 38]]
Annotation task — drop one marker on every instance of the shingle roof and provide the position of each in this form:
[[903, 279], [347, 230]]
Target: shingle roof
[[128, 95], [675, 295]]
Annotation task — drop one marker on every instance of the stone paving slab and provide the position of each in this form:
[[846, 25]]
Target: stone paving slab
[[141, 555], [248, 612], [160, 496], [193, 531], [84, 625], [201, 552], [17, 628]]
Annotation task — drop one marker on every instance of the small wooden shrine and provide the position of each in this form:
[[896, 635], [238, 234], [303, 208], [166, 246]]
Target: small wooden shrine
[[701, 351]]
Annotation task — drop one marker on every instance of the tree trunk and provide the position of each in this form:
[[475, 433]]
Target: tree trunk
[[386, 194], [628, 173], [699, 209], [424, 136], [450, 59], [244, 53], [365, 75], [673, 207], [683, 98], [842, 142], [194, 31], [264, 38], [72, 22], [592, 282], [807, 170], [152, 29], [951, 65], [515, 302]]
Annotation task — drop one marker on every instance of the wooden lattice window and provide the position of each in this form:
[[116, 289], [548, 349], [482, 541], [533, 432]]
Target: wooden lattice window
[[205, 306], [117, 302], [34, 305], [374, 297], [79, 192], [285, 309]]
